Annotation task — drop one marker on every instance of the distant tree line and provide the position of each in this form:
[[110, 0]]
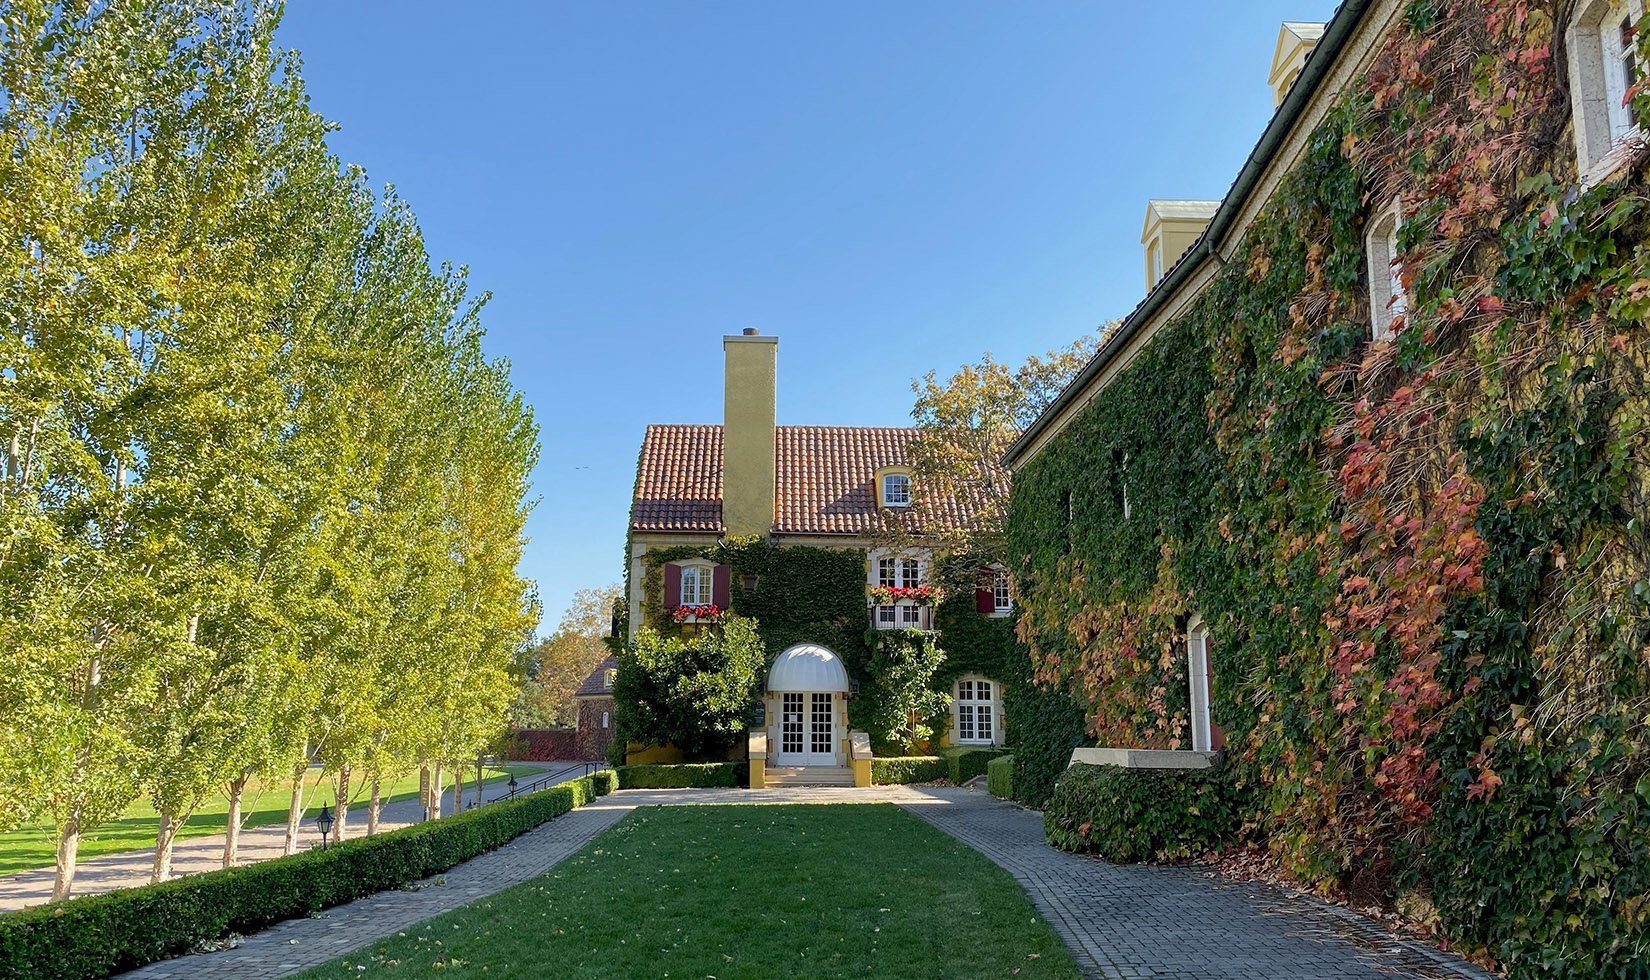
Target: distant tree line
[[261, 493]]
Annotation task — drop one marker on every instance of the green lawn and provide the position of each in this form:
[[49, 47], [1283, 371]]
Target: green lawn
[[743, 893], [32, 847]]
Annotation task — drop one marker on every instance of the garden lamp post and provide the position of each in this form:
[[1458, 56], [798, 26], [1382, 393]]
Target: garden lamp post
[[512, 785], [323, 820]]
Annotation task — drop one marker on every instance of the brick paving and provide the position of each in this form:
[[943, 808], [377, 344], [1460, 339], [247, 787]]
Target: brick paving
[[1129, 921], [1118, 921]]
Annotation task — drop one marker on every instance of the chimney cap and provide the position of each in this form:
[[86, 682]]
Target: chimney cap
[[751, 332]]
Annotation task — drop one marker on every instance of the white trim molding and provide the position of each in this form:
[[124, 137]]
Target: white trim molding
[[1602, 62]]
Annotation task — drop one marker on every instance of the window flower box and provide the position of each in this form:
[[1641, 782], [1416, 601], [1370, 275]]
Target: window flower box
[[710, 613], [888, 595]]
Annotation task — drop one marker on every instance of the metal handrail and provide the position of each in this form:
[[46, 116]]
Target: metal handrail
[[546, 781]]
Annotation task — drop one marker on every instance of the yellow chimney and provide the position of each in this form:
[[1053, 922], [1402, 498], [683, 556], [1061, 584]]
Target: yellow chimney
[[1171, 228], [1295, 41], [748, 473]]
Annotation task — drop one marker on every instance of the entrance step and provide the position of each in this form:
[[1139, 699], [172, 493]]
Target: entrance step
[[808, 776]]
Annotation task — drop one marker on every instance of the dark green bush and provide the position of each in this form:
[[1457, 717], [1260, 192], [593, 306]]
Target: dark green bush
[[908, 769], [98, 935], [692, 776], [1043, 726], [1131, 815], [605, 781], [964, 762], [999, 777]]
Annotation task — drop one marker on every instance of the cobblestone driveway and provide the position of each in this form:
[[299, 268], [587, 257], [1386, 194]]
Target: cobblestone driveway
[[1184, 922]]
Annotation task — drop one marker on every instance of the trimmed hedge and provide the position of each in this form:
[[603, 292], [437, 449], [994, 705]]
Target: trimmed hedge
[[688, 776], [999, 777], [964, 762], [1132, 815], [908, 769], [98, 935], [605, 781]]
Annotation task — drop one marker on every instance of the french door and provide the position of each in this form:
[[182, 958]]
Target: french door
[[807, 729]]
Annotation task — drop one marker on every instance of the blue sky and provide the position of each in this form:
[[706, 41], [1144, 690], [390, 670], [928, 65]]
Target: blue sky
[[888, 187]]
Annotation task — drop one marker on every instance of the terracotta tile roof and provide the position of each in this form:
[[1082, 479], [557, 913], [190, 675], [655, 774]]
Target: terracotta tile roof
[[593, 686], [679, 479], [825, 479]]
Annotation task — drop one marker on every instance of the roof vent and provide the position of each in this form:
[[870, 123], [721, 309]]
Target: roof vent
[[752, 332]]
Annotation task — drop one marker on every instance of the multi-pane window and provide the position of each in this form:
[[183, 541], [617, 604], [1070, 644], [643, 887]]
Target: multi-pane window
[[888, 572], [696, 583], [975, 720], [1602, 44], [1001, 600], [900, 573], [896, 490]]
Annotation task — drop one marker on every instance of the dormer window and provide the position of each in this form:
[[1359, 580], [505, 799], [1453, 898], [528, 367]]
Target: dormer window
[[1388, 299], [1603, 46], [896, 490], [608, 677]]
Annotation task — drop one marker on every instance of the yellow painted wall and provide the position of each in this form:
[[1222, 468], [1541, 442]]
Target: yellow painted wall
[[748, 467]]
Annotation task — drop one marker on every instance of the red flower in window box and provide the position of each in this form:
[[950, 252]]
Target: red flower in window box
[[887, 595], [711, 613]]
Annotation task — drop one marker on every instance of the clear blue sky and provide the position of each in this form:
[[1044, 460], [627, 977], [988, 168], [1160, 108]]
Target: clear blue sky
[[889, 187]]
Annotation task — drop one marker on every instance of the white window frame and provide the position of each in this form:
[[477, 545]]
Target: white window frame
[[898, 569], [1154, 261], [968, 709], [1606, 133], [703, 583], [1002, 592], [1197, 676], [889, 498], [604, 719], [1388, 298]]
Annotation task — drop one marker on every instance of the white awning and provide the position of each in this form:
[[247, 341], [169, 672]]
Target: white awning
[[808, 667]]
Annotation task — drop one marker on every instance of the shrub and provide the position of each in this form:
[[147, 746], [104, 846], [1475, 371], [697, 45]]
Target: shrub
[[690, 692], [97, 935], [999, 778], [1043, 726], [691, 776], [964, 762], [605, 781], [1131, 815], [908, 769]]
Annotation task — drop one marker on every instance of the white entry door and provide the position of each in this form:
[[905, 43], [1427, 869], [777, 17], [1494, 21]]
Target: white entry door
[[807, 729]]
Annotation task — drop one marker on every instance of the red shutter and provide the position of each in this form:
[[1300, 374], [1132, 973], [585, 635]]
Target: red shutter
[[721, 586], [673, 587], [1217, 735], [985, 599]]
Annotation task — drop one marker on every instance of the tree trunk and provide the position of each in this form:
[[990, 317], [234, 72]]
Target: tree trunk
[[166, 833], [295, 809], [232, 824], [375, 803], [68, 849], [342, 801], [435, 793], [458, 788]]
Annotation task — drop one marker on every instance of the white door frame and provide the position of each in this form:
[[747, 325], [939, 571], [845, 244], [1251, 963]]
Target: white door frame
[[807, 729]]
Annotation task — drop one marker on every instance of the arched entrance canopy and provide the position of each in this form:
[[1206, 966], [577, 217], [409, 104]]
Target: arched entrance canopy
[[808, 667]]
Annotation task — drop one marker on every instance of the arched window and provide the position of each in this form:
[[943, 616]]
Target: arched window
[[1388, 300], [605, 717], [975, 706]]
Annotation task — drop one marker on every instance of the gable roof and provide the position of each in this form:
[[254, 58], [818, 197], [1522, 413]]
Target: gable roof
[[592, 685], [825, 476]]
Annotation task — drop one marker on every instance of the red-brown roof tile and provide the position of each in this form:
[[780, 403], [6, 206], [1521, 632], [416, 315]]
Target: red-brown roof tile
[[825, 477]]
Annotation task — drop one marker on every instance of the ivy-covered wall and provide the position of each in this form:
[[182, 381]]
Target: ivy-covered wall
[[1424, 562], [810, 594]]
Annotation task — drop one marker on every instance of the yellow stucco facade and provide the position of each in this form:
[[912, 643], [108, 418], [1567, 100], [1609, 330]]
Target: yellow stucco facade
[[748, 434]]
